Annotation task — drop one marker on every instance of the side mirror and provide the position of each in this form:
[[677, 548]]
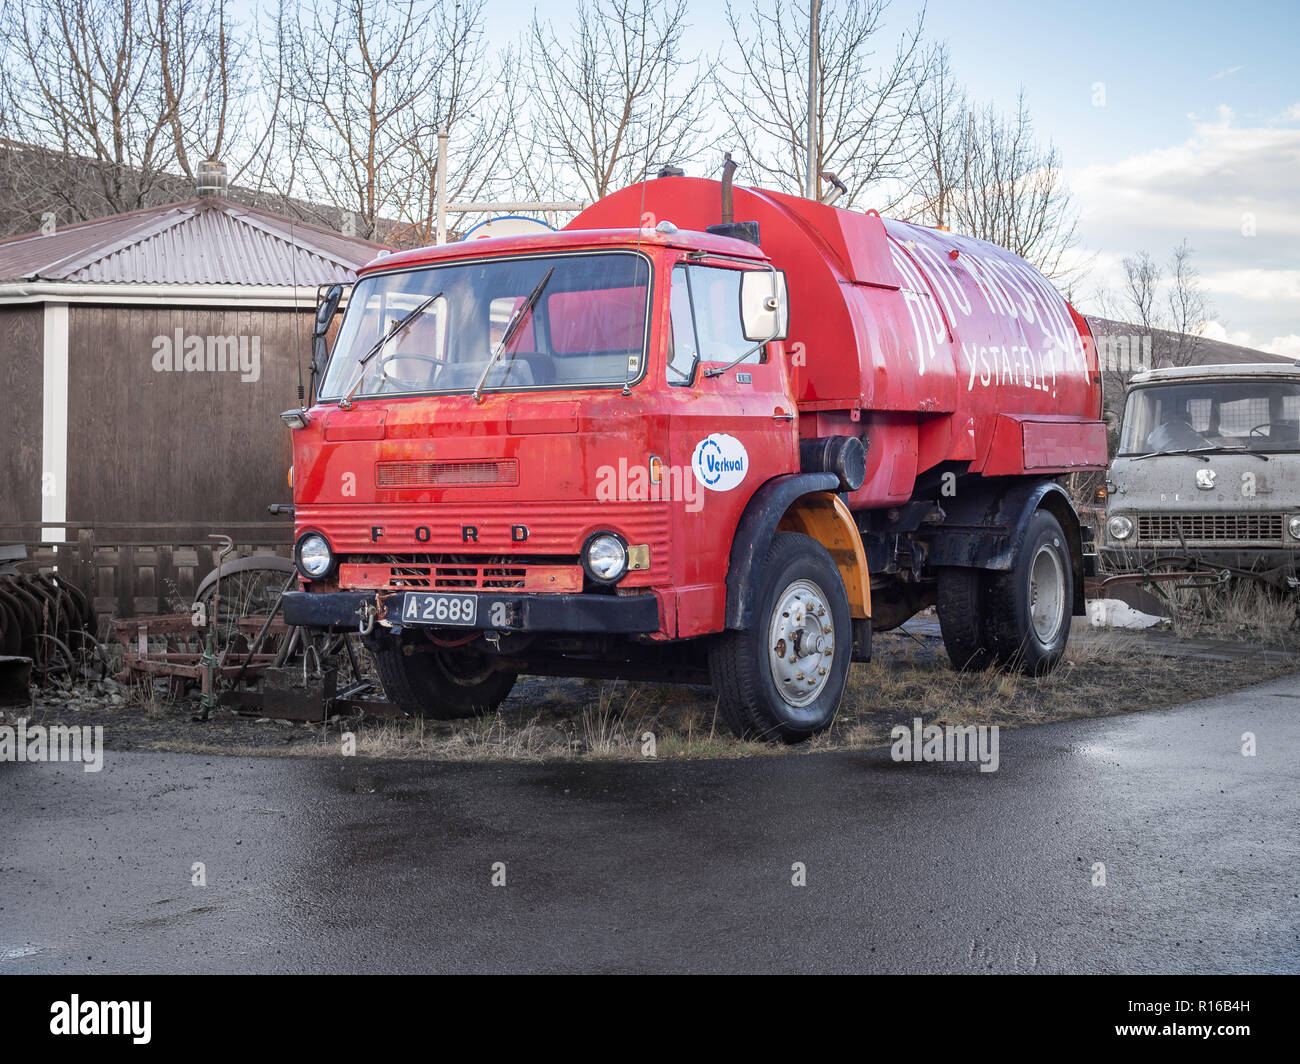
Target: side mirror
[[764, 305], [327, 309], [325, 312]]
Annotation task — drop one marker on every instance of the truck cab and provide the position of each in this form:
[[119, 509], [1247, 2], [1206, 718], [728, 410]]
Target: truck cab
[[1208, 472]]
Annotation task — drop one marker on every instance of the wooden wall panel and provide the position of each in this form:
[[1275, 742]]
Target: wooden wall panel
[[21, 391], [199, 446]]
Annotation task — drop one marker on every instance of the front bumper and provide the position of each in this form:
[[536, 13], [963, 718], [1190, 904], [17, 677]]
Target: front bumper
[[581, 613], [1275, 565]]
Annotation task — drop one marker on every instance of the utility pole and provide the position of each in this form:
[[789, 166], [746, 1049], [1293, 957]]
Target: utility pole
[[813, 55], [442, 186]]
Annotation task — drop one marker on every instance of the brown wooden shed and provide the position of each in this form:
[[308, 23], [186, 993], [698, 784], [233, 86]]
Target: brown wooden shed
[[144, 360]]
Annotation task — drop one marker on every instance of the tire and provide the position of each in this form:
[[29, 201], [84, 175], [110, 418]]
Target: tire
[[758, 703], [439, 685], [961, 619], [1028, 609]]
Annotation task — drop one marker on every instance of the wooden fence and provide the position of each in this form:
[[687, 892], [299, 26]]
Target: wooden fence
[[134, 570]]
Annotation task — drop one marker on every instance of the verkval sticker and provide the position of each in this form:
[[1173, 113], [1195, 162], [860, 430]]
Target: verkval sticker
[[720, 462]]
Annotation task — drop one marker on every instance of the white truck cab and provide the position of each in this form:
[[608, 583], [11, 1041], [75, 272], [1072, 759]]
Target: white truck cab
[[1208, 472]]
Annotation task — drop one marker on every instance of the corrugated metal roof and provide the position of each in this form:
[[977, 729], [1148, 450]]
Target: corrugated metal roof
[[207, 241]]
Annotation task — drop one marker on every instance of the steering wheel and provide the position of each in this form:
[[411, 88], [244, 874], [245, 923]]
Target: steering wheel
[[1255, 431], [433, 359]]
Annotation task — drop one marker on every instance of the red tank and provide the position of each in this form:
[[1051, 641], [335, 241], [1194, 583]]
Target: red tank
[[947, 347]]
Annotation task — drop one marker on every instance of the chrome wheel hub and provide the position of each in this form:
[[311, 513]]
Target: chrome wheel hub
[[1046, 593], [801, 643]]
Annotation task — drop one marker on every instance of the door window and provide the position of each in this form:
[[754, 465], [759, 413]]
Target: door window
[[706, 324]]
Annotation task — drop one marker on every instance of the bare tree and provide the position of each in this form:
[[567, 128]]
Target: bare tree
[[865, 102], [938, 162], [1189, 308], [1141, 288], [129, 92], [1172, 315], [367, 90], [1156, 318], [1013, 192], [619, 94]]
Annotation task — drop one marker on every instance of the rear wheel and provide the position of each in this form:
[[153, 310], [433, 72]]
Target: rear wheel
[[784, 677], [1028, 609], [439, 684], [961, 618]]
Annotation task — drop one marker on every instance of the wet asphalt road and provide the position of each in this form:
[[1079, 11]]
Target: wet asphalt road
[[347, 866]]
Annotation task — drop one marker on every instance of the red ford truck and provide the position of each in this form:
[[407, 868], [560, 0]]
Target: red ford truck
[[664, 444]]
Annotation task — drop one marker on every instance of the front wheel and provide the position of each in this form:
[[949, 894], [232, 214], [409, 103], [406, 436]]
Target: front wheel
[[439, 684], [784, 677], [1028, 609]]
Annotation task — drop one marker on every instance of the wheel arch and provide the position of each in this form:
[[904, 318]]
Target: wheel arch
[[798, 502], [984, 526]]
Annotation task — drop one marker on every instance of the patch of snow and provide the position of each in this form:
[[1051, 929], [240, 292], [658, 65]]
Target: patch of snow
[[1114, 613]]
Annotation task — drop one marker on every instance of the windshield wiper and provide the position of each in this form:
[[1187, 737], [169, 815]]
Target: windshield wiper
[[1202, 453], [346, 402], [1177, 450], [512, 327], [1219, 449]]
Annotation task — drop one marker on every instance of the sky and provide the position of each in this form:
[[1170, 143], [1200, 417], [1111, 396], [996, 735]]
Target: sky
[[1175, 121], [1196, 135]]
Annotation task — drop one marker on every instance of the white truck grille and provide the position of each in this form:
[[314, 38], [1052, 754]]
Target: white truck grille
[[1209, 528]]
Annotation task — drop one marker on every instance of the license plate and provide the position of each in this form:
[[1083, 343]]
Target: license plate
[[421, 608]]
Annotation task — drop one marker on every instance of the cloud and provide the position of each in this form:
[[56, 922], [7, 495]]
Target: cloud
[[1265, 285], [1210, 183], [1213, 330], [1230, 191], [1284, 345], [1227, 72], [1288, 346]]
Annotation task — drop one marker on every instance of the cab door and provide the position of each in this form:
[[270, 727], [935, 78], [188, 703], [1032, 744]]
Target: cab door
[[729, 431]]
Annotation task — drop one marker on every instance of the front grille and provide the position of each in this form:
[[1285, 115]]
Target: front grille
[[502, 472], [457, 575], [1209, 528]]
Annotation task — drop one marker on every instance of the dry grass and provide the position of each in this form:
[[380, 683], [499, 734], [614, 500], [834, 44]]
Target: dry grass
[[1104, 672], [1245, 610]]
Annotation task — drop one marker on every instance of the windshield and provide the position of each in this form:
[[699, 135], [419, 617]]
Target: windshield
[[588, 328], [1255, 415]]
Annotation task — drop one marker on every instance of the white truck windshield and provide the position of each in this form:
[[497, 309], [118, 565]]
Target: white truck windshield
[[1259, 415]]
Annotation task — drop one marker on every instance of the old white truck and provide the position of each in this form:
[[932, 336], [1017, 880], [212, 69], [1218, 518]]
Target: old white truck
[[1208, 472]]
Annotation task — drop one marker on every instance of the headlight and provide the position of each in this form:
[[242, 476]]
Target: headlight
[[1293, 526], [314, 555], [1120, 527], [605, 557]]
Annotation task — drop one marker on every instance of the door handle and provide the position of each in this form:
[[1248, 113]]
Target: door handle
[[781, 415]]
